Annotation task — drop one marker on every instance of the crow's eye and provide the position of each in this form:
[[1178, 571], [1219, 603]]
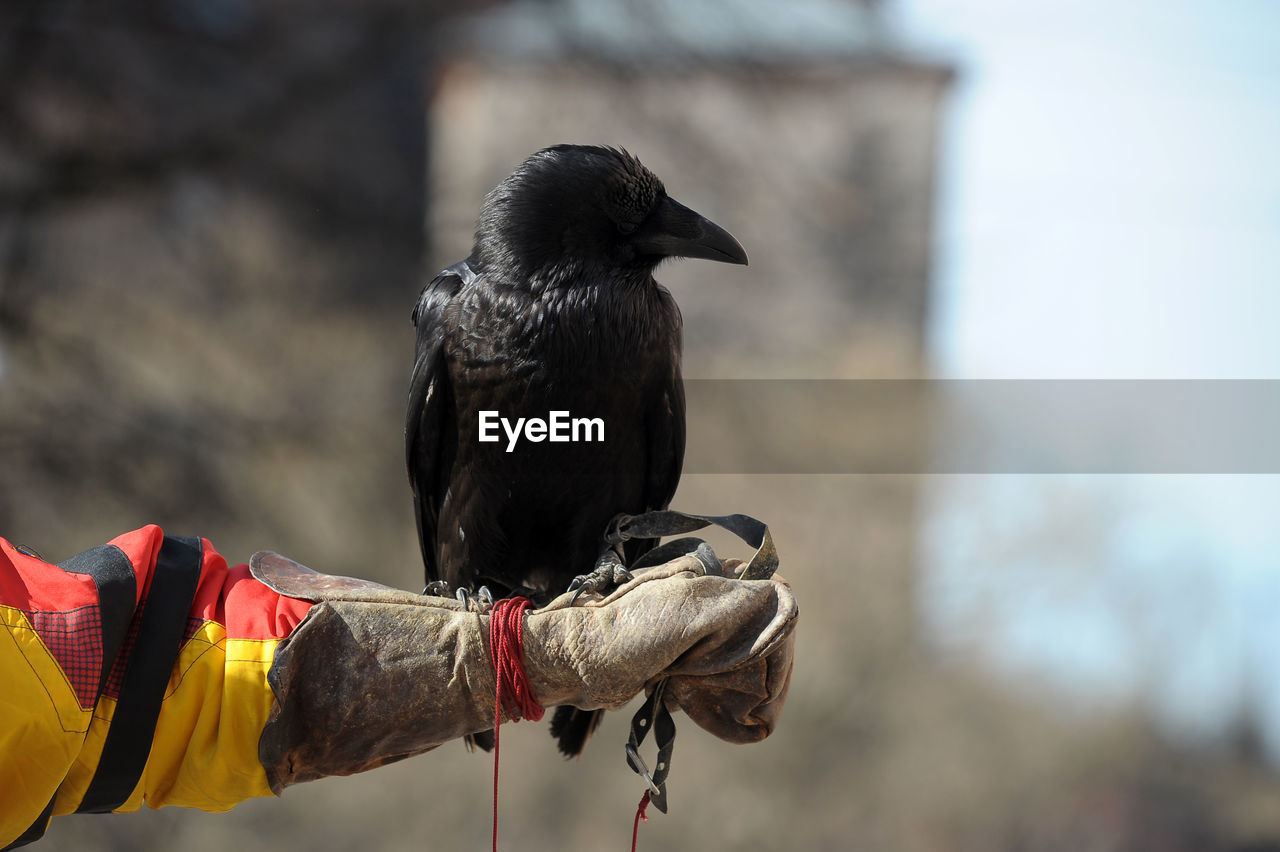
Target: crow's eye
[[626, 227]]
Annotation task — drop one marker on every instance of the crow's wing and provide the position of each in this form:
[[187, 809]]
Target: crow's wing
[[430, 421], [666, 435]]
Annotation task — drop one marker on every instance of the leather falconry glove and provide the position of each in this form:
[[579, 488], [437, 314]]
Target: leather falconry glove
[[374, 674]]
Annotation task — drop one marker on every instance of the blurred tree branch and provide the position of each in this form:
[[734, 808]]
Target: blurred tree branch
[[101, 100], [176, 179]]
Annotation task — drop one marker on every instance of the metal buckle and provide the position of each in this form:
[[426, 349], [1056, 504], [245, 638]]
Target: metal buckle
[[653, 715]]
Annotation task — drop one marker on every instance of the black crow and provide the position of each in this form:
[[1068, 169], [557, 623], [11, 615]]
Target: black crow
[[546, 395]]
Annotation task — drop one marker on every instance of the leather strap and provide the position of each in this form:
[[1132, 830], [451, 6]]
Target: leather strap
[[146, 675], [664, 522]]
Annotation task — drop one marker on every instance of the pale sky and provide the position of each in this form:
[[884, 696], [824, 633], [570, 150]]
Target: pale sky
[[1110, 208], [1111, 202]]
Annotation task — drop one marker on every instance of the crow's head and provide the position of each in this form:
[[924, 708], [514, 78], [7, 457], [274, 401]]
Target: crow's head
[[572, 211]]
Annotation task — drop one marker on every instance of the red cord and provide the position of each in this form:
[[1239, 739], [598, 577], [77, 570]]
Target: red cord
[[640, 815], [506, 652]]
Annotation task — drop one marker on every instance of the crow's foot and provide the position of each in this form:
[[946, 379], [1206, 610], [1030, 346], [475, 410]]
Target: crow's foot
[[609, 573], [481, 601]]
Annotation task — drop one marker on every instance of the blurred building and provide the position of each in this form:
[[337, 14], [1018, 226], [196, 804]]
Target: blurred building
[[803, 126]]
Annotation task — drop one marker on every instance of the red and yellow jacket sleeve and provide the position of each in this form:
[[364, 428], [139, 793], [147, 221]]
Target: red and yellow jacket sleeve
[[135, 672]]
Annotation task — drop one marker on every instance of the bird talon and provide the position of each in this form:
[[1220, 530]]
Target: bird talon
[[609, 573], [582, 584], [474, 601]]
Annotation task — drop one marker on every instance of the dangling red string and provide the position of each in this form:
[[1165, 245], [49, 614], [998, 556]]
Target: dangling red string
[[506, 652], [640, 815]]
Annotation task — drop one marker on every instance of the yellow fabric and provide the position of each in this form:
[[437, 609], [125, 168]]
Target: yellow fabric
[[205, 750], [41, 724]]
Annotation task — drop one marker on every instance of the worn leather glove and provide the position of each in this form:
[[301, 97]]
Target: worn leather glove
[[725, 645], [376, 674]]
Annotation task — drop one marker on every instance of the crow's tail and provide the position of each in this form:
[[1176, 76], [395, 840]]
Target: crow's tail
[[572, 727], [482, 740]]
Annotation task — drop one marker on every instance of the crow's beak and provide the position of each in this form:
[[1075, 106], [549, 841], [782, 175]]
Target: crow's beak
[[676, 231]]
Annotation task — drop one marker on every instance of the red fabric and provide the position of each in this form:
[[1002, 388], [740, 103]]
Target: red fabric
[[74, 638], [63, 608], [248, 609], [226, 596], [142, 546], [26, 583], [115, 680]]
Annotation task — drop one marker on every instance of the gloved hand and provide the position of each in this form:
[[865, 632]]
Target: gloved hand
[[726, 646], [375, 674]]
